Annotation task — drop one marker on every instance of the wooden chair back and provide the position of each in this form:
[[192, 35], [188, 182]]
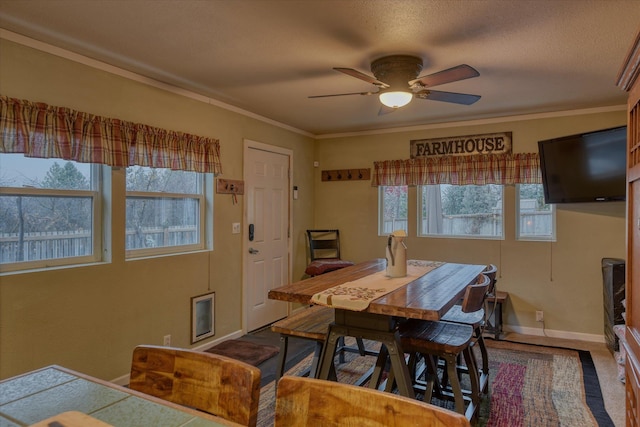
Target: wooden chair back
[[475, 294], [311, 402], [323, 244], [209, 382], [492, 272]]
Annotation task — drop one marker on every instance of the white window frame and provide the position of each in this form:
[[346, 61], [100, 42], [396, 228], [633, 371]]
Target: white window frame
[[457, 236], [529, 237], [205, 204], [95, 193]]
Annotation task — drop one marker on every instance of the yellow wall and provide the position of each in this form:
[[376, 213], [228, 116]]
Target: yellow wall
[[90, 318], [563, 279]]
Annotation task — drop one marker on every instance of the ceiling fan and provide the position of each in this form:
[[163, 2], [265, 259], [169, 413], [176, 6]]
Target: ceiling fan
[[396, 77]]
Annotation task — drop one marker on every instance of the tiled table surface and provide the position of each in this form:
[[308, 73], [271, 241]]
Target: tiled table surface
[[38, 395]]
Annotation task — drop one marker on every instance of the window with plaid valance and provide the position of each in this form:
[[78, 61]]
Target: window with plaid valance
[[40, 130], [519, 168]]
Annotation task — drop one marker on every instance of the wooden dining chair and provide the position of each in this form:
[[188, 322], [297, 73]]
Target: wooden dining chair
[[473, 312], [493, 305], [324, 252], [209, 382], [313, 402], [448, 341]]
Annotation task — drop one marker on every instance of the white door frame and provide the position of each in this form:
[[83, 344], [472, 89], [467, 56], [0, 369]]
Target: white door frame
[[249, 144]]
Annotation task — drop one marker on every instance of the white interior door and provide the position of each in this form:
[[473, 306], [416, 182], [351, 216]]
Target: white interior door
[[266, 234]]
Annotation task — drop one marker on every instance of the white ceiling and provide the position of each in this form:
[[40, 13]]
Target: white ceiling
[[268, 56]]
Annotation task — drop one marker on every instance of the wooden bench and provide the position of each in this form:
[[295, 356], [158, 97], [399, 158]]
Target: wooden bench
[[494, 329], [313, 324]]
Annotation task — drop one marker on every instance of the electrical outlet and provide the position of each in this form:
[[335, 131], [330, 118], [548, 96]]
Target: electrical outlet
[[166, 340], [539, 316], [235, 228]]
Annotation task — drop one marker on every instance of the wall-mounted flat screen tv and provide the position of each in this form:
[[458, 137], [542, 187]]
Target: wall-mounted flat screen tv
[[588, 167]]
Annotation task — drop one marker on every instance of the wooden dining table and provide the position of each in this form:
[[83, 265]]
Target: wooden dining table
[[56, 396], [427, 297]]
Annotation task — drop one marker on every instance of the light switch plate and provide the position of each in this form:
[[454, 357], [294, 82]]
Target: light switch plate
[[235, 228]]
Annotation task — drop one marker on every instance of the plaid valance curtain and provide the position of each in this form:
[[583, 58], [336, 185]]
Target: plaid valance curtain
[[519, 168], [41, 130]]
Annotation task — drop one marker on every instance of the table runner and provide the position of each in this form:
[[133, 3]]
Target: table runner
[[356, 295]]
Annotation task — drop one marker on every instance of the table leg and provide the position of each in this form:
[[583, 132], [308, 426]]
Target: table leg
[[328, 352], [316, 359], [381, 362], [282, 359], [389, 339], [399, 366], [498, 320]]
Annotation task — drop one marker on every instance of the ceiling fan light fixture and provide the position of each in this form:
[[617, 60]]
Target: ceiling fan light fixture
[[396, 99]]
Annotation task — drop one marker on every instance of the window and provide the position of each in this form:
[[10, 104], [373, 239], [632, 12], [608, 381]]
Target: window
[[461, 211], [392, 205], [165, 211], [536, 220], [50, 212]]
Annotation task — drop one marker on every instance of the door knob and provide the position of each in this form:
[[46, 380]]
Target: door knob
[[253, 251]]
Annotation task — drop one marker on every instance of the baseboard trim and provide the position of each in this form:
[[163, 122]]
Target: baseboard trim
[[124, 379], [554, 333]]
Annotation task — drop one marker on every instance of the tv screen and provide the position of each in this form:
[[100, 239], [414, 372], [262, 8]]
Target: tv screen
[[588, 167]]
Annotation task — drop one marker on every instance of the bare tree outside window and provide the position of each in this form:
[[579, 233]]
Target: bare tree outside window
[[47, 211], [461, 210], [164, 209], [393, 209]]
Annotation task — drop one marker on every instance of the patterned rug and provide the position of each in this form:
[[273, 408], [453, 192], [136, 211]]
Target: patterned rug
[[530, 385], [542, 386]]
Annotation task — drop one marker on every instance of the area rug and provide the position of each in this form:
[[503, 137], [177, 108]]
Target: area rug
[[530, 385], [246, 351], [533, 385]]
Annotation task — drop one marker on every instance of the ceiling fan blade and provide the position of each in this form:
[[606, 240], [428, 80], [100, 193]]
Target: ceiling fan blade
[[343, 94], [385, 110], [456, 98], [358, 75], [453, 74]]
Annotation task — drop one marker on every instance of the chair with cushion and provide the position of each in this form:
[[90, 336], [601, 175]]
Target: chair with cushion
[[324, 252], [312, 402], [448, 341], [208, 382]]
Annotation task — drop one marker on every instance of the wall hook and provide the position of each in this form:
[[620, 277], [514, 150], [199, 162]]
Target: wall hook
[[346, 175]]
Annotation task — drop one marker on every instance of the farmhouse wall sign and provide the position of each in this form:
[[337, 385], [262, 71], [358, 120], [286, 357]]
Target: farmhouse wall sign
[[488, 143]]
